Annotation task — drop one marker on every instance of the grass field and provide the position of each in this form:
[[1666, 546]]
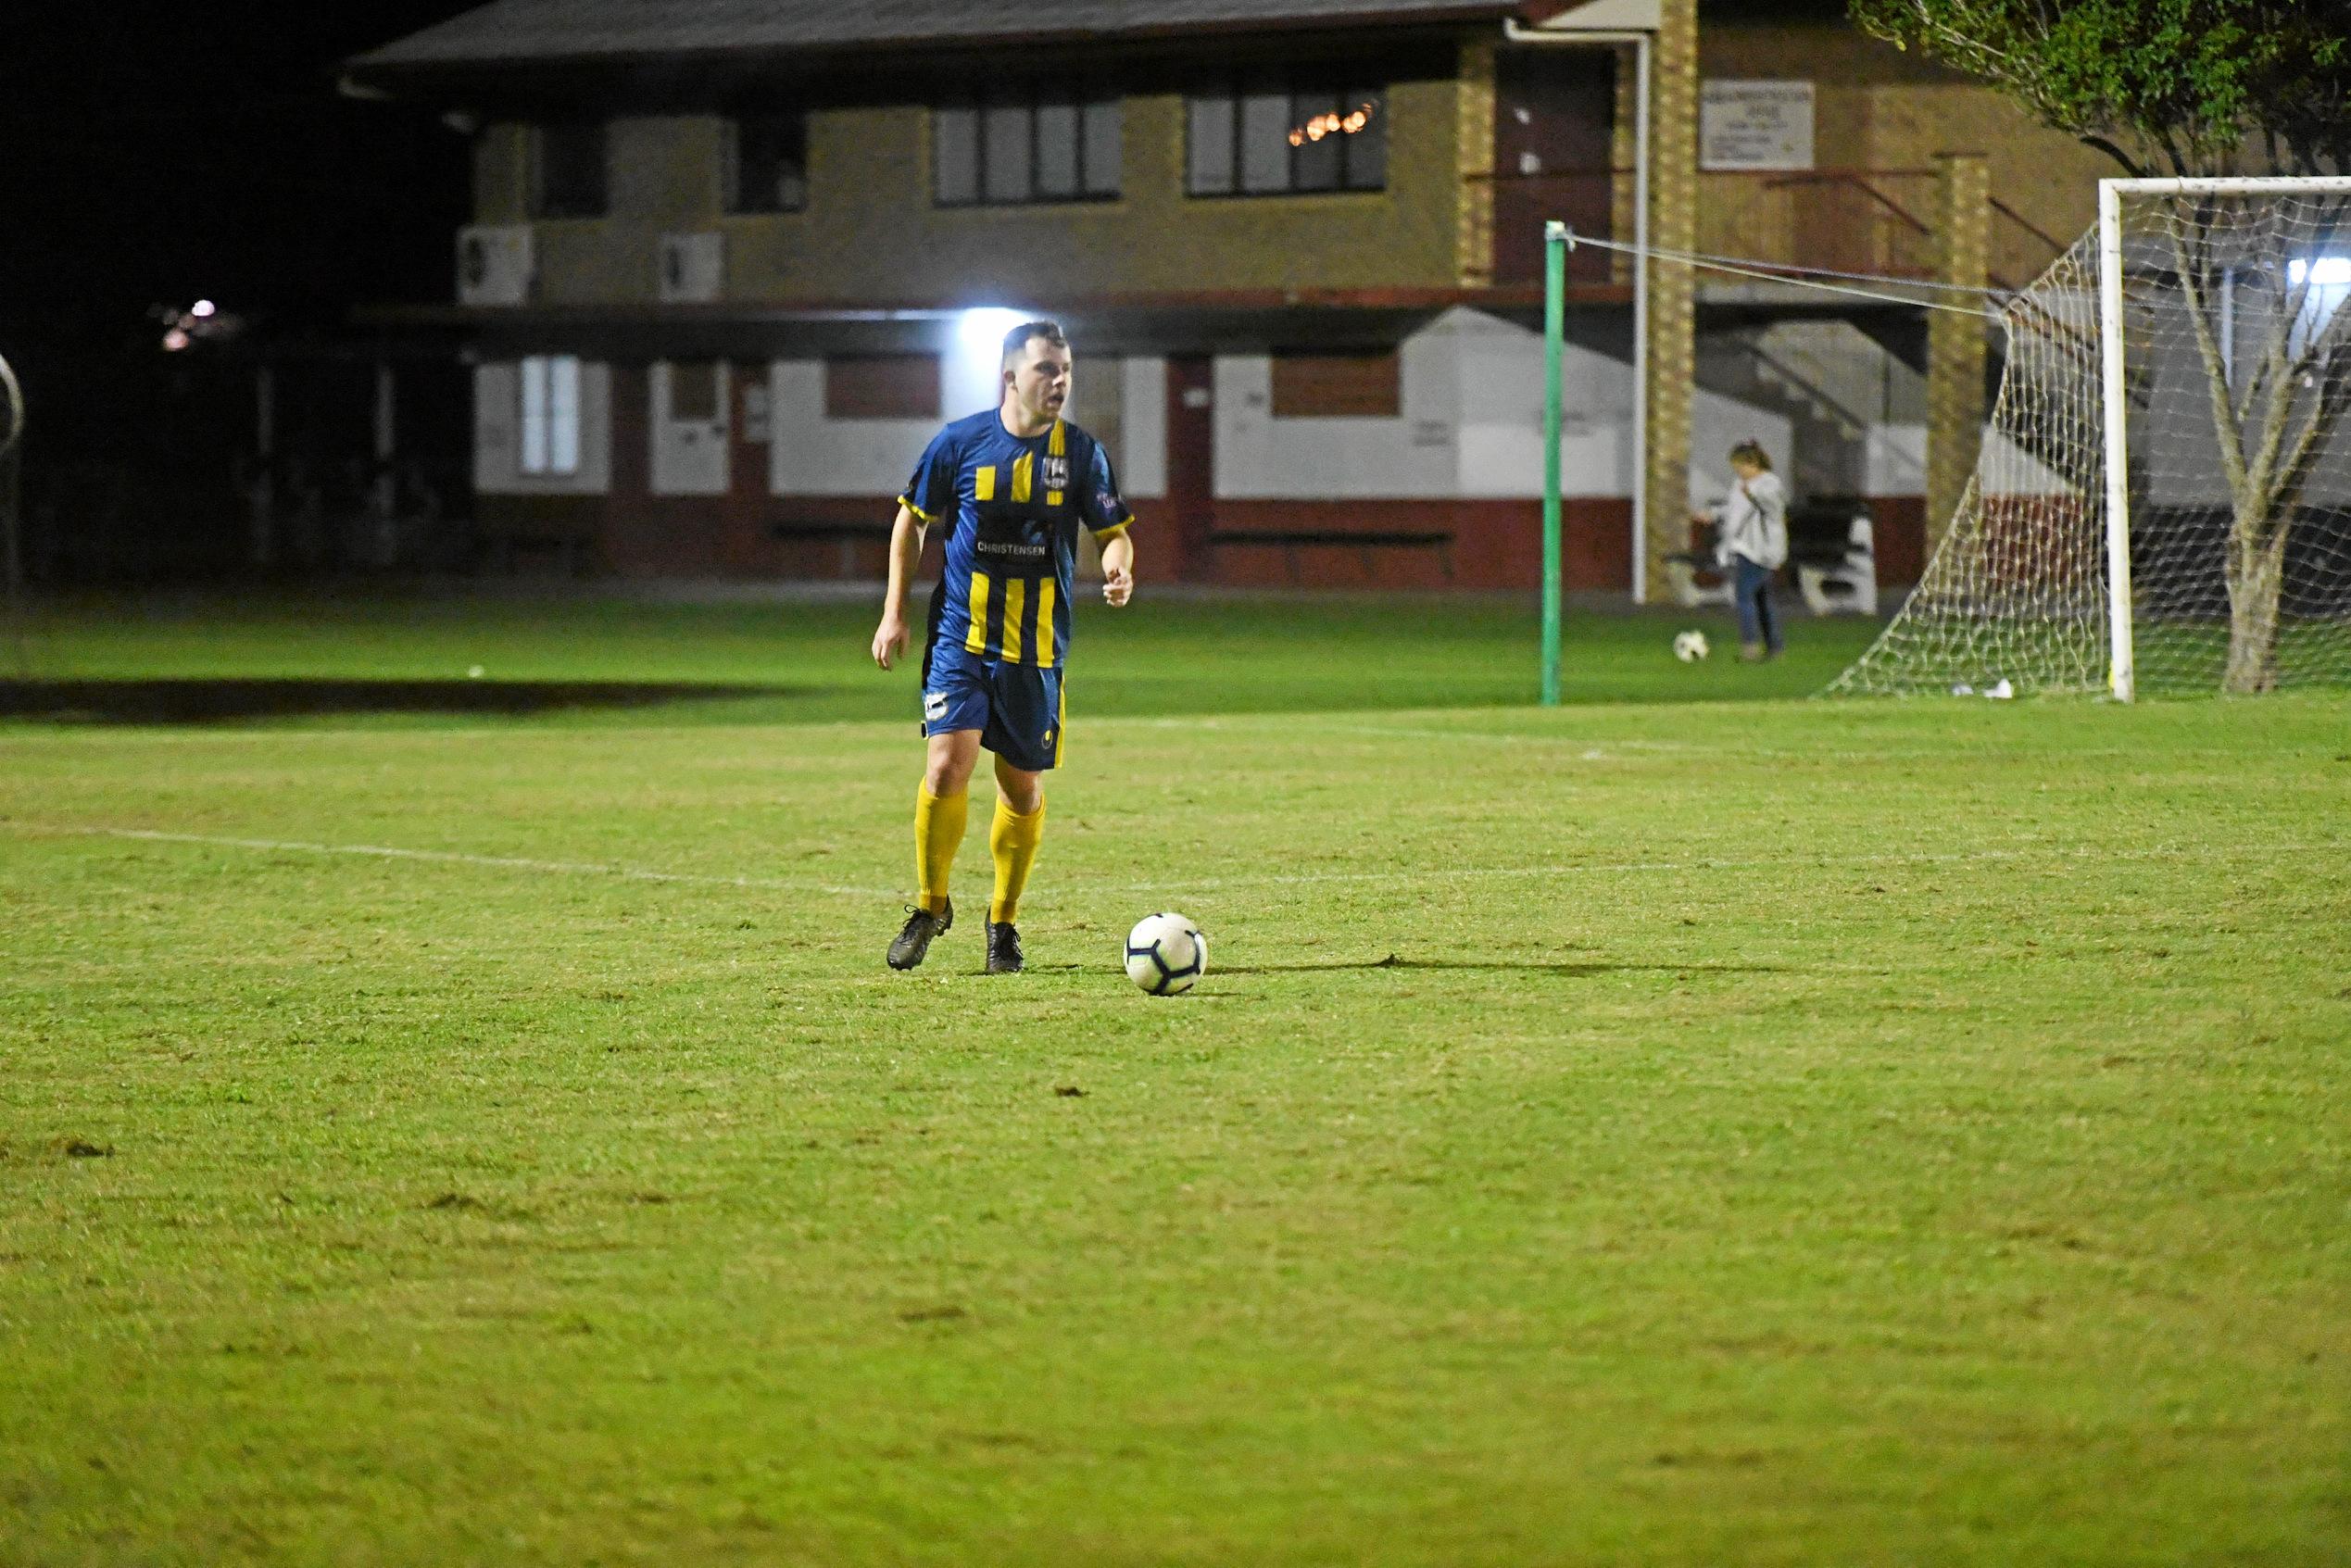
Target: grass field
[[455, 1119]]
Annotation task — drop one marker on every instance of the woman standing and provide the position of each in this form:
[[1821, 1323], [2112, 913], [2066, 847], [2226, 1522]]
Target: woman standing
[[1754, 542]]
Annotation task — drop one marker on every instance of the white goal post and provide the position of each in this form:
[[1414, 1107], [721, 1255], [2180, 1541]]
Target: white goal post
[[2162, 503]]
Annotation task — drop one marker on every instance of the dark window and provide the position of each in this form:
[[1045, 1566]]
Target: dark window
[[694, 391], [882, 386], [767, 163], [1021, 145], [1267, 134], [1338, 386], [572, 178]]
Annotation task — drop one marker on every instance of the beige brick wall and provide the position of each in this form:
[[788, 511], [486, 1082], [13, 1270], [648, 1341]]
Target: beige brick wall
[[871, 233], [501, 174], [664, 178], [1624, 154], [1878, 108], [1473, 153]]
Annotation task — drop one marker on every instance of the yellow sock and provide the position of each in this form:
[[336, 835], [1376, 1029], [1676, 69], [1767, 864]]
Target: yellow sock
[[1013, 839], [939, 832]]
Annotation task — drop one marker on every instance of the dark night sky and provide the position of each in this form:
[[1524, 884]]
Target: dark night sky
[[153, 153]]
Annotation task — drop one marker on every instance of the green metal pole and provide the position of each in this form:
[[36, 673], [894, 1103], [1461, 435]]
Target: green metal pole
[[1555, 331]]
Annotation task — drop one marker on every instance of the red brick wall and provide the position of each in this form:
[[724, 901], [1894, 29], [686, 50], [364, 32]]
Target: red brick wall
[[1898, 528], [1496, 544], [529, 532]]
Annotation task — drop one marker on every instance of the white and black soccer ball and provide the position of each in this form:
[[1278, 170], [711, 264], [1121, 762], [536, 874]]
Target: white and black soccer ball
[[1165, 954], [1689, 646]]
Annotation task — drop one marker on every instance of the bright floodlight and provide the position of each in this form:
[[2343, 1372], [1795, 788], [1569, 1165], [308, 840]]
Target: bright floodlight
[[201, 308], [986, 327]]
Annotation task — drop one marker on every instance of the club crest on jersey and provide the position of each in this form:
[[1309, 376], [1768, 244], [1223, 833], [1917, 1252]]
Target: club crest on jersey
[[1056, 472]]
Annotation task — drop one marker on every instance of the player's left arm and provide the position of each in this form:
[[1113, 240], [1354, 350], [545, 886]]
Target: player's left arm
[[1108, 516], [1118, 567]]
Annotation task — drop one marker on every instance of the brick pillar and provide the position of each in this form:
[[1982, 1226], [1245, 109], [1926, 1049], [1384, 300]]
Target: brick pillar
[[1624, 150], [1954, 342], [1673, 316], [1474, 157]]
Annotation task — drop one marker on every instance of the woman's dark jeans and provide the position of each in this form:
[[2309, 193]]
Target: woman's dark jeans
[[1758, 621]]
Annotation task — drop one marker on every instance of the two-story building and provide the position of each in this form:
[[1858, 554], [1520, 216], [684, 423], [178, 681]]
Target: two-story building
[[731, 262]]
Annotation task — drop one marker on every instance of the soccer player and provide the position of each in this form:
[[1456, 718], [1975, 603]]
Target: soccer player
[[1013, 485]]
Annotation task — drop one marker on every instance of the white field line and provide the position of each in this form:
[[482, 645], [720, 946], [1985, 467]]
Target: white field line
[[1604, 747], [1710, 863], [454, 857], [2060, 853]]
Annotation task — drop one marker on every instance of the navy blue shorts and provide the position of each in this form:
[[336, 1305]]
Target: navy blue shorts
[[1016, 707]]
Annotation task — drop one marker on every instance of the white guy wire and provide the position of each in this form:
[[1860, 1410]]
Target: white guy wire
[[1805, 277]]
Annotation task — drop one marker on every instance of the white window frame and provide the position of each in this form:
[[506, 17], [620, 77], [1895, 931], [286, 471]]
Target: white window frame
[[1088, 124], [1237, 130], [549, 392]]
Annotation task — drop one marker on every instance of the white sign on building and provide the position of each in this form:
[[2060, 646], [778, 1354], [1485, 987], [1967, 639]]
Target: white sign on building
[[1755, 125]]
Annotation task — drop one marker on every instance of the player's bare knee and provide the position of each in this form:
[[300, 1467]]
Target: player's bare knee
[[1020, 789], [948, 769]]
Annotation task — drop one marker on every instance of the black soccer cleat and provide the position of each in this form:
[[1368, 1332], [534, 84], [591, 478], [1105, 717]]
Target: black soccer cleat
[[1004, 948], [915, 938]]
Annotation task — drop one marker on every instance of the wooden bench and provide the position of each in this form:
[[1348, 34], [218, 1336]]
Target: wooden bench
[[1292, 540], [848, 534]]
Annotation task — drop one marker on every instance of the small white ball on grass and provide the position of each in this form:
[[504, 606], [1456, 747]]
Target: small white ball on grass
[[1165, 954]]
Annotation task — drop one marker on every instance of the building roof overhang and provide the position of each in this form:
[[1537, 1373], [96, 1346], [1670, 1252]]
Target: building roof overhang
[[565, 37]]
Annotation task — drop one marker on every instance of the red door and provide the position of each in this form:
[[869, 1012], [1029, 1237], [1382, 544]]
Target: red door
[[1191, 467], [1554, 125]]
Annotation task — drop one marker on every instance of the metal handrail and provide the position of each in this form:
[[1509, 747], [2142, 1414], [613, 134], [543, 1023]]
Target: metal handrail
[[1809, 388], [1859, 180], [2027, 224]]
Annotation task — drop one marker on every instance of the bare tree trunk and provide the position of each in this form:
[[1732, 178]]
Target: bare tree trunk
[[2265, 484], [2257, 579]]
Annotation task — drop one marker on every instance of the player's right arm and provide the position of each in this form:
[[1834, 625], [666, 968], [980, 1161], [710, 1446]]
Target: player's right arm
[[928, 496], [906, 555]]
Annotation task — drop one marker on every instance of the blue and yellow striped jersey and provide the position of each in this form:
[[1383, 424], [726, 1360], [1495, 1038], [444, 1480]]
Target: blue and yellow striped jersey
[[1013, 505]]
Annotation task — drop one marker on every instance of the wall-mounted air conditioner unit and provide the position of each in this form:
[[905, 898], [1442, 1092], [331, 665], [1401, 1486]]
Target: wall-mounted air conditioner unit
[[693, 268], [496, 265]]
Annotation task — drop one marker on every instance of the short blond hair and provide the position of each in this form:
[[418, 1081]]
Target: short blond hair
[[1751, 453]]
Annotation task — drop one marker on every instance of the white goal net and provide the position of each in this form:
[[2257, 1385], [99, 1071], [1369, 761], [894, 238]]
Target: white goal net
[[2213, 554]]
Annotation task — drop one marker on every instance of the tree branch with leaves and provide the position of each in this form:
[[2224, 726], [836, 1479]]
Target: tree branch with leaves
[[2188, 89]]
